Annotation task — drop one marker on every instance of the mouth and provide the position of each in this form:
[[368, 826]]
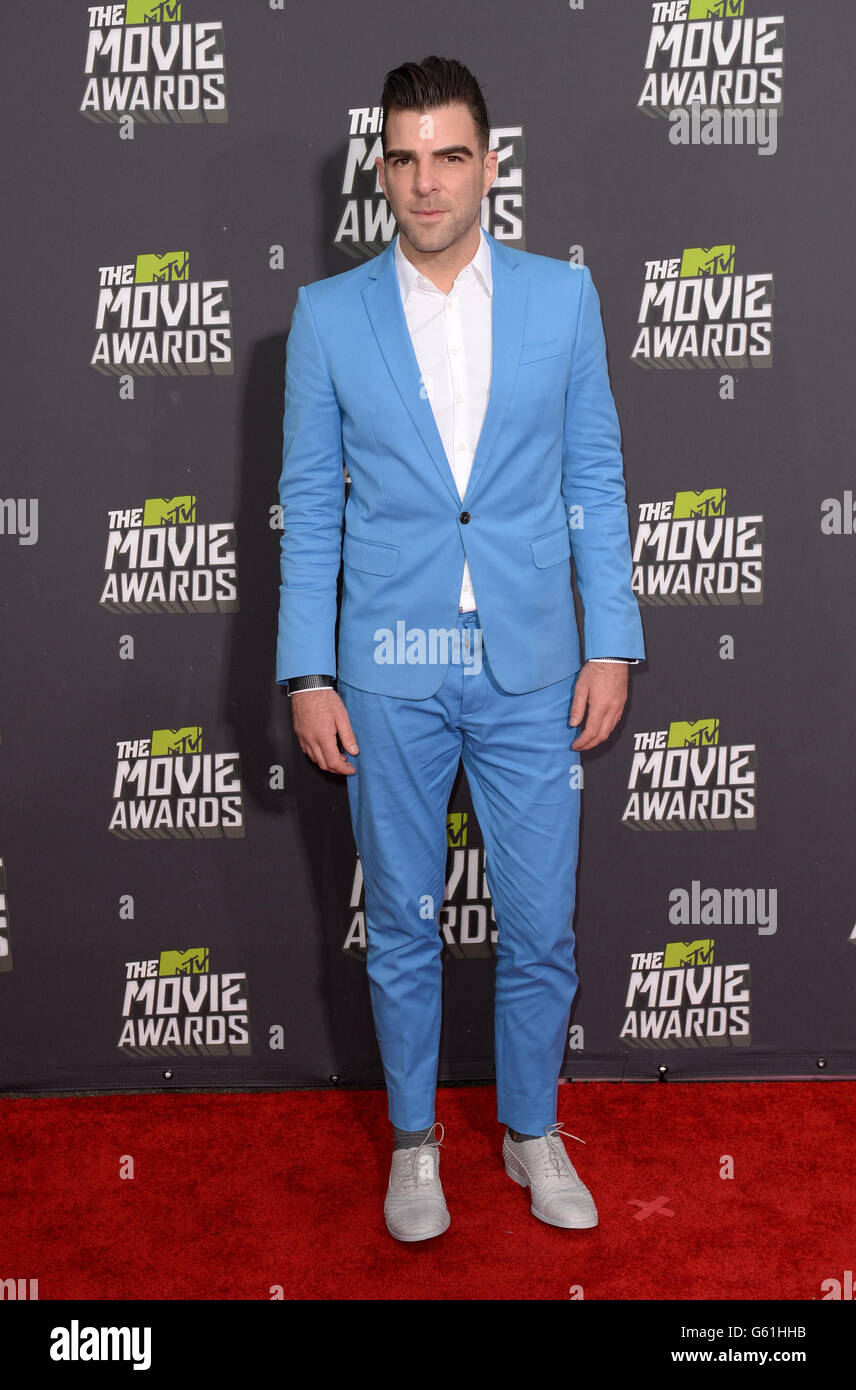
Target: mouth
[[430, 214]]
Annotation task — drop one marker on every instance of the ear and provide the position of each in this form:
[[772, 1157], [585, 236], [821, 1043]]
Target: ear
[[490, 169]]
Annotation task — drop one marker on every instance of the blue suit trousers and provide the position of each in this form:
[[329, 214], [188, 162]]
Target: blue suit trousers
[[523, 778]]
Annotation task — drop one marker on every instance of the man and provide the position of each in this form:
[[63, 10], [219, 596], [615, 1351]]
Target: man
[[465, 386]]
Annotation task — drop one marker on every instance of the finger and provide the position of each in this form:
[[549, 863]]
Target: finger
[[314, 750], [582, 693], [598, 728], [582, 738], [334, 759], [346, 733], [316, 737], [592, 723], [578, 708], [339, 765], [588, 735]]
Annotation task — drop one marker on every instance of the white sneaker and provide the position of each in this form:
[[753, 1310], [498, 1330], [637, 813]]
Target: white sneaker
[[559, 1196], [415, 1208]]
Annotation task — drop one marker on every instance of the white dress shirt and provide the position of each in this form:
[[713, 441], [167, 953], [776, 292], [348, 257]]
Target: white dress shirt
[[451, 336]]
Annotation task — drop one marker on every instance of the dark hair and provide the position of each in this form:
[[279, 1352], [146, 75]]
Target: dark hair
[[434, 82]]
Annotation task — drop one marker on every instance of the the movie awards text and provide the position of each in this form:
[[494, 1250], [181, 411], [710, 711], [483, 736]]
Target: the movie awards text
[[166, 785], [143, 61], [176, 1003], [681, 996], [162, 559], [696, 311], [683, 778], [151, 318], [687, 549]]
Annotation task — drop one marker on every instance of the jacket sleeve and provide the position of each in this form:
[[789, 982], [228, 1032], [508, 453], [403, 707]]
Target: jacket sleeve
[[594, 493], [312, 494]]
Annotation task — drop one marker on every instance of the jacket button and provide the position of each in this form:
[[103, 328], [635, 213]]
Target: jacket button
[[464, 517]]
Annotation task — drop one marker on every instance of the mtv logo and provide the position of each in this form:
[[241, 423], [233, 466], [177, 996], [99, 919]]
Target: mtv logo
[[151, 12], [707, 260], [162, 265], [715, 9], [709, 502], [683, 953], [456, 829], [693, 733], [169, 511], [193, 961], [167, 742]]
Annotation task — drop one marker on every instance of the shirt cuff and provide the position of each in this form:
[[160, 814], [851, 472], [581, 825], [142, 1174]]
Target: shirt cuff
[[624, 660]]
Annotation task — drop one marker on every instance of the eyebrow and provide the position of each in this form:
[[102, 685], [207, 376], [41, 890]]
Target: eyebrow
[[449, 149]]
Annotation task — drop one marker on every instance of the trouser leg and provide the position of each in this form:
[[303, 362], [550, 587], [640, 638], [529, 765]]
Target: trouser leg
[[399, 794], [523, 779]]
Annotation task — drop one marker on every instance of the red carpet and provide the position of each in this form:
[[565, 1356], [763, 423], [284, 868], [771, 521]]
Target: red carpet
[[234, 1194]]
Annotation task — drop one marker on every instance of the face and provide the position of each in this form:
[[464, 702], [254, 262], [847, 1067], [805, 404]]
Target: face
[[434, 175]]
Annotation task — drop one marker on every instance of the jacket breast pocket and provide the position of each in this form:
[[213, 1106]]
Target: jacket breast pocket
[[372, 556], [551, 548]]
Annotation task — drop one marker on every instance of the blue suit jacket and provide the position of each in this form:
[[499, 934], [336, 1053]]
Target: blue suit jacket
[[546, 483]]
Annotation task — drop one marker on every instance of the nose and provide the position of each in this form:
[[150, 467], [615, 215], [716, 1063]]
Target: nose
[[425, 180]]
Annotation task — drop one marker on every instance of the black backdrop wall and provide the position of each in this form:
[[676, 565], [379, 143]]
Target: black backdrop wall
[[181, 899]]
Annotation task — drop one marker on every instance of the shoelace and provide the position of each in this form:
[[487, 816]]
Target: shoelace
[[411, 1175], [556, 1149]]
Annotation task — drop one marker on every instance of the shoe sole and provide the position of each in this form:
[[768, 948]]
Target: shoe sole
[[429, 1235], [550, 1220]]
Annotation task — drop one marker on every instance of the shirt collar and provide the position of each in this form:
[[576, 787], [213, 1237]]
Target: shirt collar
[[409, 276]]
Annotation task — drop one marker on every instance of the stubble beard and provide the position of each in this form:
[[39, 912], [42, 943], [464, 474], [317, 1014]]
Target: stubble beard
[[430, 237]]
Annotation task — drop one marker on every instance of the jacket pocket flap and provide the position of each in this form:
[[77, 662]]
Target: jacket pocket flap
[[373, 556], [550, 549]]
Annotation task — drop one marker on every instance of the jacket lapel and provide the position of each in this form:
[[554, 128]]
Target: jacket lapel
[[382, 299], [508, 314], [383, 302]]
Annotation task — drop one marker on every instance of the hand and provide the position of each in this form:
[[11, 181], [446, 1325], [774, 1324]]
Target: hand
[[318, 716], [603, 687]]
